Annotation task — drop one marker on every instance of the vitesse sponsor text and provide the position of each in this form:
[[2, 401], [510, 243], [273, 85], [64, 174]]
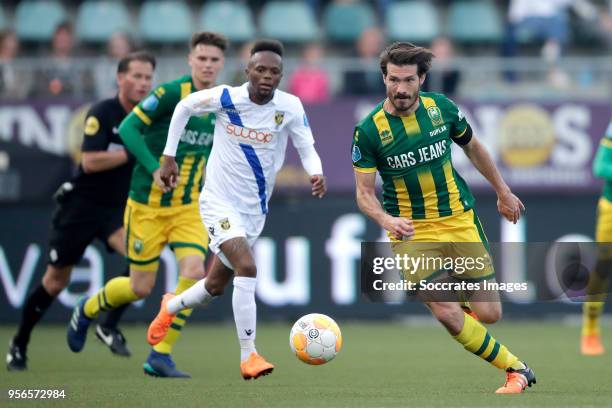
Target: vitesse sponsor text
[[422, 155]]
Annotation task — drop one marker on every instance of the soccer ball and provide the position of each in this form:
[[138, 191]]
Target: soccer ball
[[315, 339]]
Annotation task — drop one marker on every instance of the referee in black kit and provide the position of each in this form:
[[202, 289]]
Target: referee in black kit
[[90, 206]]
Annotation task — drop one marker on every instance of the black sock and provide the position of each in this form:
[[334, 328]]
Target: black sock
[[34, 309], [113, 316]]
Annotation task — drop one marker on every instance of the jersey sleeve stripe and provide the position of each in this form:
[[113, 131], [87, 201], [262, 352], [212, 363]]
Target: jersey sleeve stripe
[[230, 109], [606, 143], [365, 169], [185, 89], [142, 116]]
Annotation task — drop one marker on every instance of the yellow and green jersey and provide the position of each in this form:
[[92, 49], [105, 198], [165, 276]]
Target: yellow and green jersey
[[602, 165], [413, 156], [149, 121]]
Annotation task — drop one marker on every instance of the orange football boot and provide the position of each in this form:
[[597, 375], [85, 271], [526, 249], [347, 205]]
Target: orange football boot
[[517, 381], [160, 325], [591, 345], [255, 366]]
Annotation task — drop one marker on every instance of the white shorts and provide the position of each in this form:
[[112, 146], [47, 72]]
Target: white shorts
[[223, 222]]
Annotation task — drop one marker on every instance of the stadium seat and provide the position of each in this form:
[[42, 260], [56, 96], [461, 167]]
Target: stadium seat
[[290, 21], [423, 17], [98, 20], [37, 20], [475, 21], [165, 21], [344, 22], [215, 15]]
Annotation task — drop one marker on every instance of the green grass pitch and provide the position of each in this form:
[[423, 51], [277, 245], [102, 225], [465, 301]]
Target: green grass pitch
[[380, 365]]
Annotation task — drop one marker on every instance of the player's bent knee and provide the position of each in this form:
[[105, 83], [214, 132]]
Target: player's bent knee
[[193, 270], [449, 314], [248, 270], [142, 288], [141, 291], [490, 316], [215, 289], [56, 279]]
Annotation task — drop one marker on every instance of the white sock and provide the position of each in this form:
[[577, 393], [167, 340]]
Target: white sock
[[194, 296], [245, 314]]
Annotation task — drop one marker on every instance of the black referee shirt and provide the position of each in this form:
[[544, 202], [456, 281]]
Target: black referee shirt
[[108, 187]]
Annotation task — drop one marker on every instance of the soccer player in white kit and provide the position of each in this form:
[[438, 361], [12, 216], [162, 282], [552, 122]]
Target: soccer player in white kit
[[253, 123]]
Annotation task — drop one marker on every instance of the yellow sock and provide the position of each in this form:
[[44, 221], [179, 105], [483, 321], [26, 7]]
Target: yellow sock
[[115, 293], [476, 339], [165, 346], [590, 317]]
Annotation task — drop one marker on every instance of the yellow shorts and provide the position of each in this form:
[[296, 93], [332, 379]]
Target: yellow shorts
[[603, 231], [149, 230], [456, 245]]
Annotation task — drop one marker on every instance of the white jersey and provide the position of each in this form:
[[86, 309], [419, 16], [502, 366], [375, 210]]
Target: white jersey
[[249, 142]]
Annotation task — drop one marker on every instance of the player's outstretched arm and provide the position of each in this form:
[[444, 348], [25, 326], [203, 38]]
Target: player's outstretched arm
[[94, 162], [508, 205], [130, 132], [196, 103], [399, 227], [312, 164]]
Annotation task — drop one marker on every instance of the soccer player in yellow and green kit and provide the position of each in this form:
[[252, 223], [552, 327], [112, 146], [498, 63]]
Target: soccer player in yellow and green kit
[[591, 344], [407, 139], [157, 216]]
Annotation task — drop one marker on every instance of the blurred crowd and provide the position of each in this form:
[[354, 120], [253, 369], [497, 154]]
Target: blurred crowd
[[545, 28]]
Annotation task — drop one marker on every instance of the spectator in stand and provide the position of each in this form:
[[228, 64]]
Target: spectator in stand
[[244, 55], [309, 81], [442, 77], [364, 79], [60, 77], [548, 21], [11, 83], [119, 45]]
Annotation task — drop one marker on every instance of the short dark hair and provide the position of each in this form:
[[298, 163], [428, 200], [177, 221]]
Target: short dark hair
[[208, 38], [144, 56], [405, 53], [64, 25], [274, 46]]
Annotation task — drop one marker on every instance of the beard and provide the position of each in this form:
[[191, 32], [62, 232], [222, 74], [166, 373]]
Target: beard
[[405, 103]]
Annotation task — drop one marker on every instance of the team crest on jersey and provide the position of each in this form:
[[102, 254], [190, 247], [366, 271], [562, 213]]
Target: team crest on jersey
[[356, 156], [225, 224], [435, 115], [386, 137], [150, 103], [138, 246], [279, 117]]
